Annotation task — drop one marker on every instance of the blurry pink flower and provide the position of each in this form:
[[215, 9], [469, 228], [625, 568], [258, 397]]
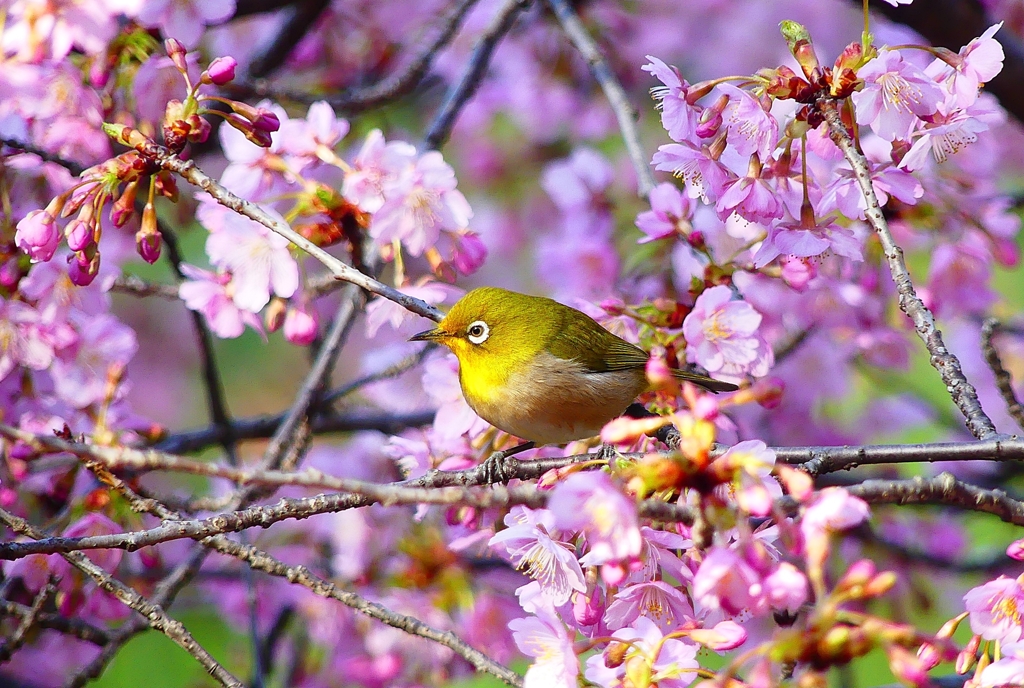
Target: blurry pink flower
[[207, 293], [576, 182], [96, 523], [724, 635], [968, 262], [834, 510], [185, 20], [895, 96], [725, 581], [1008, 670], [310, 140], [103, 341], [995, 609], [26, 338], [39, 29], [157, 81], [420, 203], [677, 116], [259, 260], [374, 170], [1016, 550], [722, 335], [590, 503], [669, 215], [38, 235], [381, 311], [787, 588], [546, 639], [658, 601], [301, 325], [531, 547], [670, 662]]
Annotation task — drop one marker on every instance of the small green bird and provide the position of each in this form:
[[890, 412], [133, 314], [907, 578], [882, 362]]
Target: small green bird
[[541, 370]]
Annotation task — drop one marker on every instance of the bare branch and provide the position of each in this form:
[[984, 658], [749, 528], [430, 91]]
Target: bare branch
[[56, 622], [136, 286], [301, 18], [945, 490], [963, 393], [28, 621], [625, 113], [460, 92], [70, 165]]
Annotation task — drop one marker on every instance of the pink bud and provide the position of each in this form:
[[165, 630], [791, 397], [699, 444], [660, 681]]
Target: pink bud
[[37, 235], [265, 120], [82, 270], [726, 635], [79, 235], [300, 326], [470, 253], [147, 239], [587, 609], [222, 70], [177, 52], [1016, 550]]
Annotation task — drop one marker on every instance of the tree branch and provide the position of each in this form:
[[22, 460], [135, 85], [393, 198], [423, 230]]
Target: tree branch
[[460, 92], [1003, 380], [963, 393]]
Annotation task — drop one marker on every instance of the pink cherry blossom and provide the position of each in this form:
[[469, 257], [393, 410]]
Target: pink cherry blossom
[[589, 502], [669, 215], [545, 638], [529, 541], [677, 116], [656, 600], [672, 662], [896, 95], [185, 20], [995, 609], [38, 235], [722, 335], [208, 293]]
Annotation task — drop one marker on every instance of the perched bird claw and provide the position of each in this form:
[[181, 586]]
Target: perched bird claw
[[502, 466], [607, 452]]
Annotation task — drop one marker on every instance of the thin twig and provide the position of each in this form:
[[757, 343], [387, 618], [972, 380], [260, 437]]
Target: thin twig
[[942, 359], [156, 617], [73, 627], [28, 621], [393, 370], [188, 170], [261, 561], [301, 17], [263, 427], [386, 90], [1003, 380], [70, 165], [136, 286], [461, 91], [625, 113]]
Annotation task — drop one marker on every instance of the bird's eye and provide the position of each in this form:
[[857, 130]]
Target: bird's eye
[[478, 332]]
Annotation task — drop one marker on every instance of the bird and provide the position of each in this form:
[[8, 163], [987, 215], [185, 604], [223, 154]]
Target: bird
[[543, 371]]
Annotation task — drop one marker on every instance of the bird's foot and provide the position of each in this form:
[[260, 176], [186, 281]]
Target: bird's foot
[[606, 453], [501, 466]]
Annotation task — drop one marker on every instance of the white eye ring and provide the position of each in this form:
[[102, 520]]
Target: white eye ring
[[478, 332]]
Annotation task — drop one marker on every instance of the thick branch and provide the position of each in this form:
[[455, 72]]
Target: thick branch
[[963, 393], [944, 490]]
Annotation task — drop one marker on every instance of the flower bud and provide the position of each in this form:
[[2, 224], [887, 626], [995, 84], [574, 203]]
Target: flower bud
[[177, 52], [147, 239], [301, 326], [82, 268], [37, 235], [273, 316], [221, 71], [78, 234], [123, 207]]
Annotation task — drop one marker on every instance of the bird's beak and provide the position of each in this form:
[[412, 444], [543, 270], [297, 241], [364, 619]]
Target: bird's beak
[[433, 335]]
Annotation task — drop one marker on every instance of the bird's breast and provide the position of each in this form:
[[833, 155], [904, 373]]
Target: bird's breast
[[552, 400]]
